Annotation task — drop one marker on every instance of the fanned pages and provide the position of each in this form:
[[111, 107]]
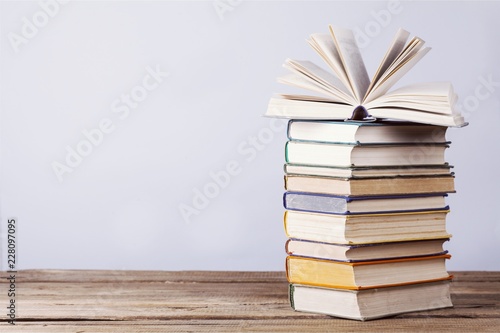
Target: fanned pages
[[395, 74], [324, 46], [397, 46], [317, 76], [348, 86], [351, 60]]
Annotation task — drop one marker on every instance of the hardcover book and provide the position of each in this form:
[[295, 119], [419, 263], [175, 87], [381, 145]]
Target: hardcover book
[[363, 172], [332, 204], [370, 186], [366, 229], [350, 94], [366, 274], [370, 303], [364, 252], [365, 132], [348, 155]]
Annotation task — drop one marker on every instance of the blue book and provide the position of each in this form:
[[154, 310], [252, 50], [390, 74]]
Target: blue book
[[333, 204]]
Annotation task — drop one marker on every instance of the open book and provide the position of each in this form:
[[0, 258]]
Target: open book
[[350, 94]]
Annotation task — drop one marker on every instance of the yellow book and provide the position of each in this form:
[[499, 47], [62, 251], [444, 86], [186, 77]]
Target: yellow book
[[366, 274]]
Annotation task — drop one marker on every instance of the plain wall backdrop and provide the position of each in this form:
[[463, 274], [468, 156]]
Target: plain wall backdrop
[[201, 74]]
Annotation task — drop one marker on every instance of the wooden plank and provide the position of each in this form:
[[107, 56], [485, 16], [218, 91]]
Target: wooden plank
[[198, 301], [147, 276], [476, 276], [194, 276], [132, 301], [428, 325]]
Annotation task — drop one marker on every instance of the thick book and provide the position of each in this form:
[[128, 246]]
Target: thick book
[[371, 303], [363, 172], [348, 155], [365, 229], [365, 132], [364, 252], [370, 186], [334, 204], [349, 93], [366, 274]]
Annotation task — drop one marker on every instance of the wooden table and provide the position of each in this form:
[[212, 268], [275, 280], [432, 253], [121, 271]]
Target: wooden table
[[198, 301]]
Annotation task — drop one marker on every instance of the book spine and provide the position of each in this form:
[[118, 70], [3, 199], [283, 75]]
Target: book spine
[[288, 130], [286, 152], [291, 291], [284, 224], [286, 246]]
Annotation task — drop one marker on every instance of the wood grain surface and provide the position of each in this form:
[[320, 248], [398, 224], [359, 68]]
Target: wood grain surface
[[216, 301]]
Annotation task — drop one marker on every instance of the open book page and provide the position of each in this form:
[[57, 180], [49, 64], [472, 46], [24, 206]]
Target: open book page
[[319, 76], [429, 97], [312, 99], [314, 108], [301, 82], [396, 47], [412, 115], [308, 107], [396, 74], [413, 47], [323, 44], [427, 89], [352, 61], [414, 104]]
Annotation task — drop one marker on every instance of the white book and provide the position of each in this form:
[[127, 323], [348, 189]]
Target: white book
[[371, 303]]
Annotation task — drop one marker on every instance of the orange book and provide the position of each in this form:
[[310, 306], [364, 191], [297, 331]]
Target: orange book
[[366, 274]]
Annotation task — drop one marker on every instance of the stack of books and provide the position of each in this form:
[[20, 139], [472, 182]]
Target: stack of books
[[366, 181]]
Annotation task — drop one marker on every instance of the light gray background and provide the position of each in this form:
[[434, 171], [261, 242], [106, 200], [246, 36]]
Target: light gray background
[[119, 209]]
